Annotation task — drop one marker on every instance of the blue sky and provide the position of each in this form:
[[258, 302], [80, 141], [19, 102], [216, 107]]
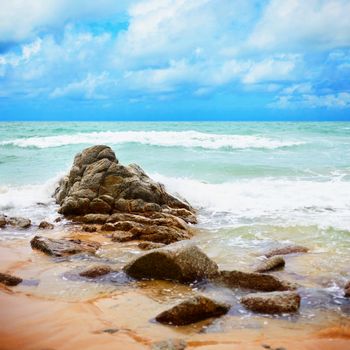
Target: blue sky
[[174, 60]]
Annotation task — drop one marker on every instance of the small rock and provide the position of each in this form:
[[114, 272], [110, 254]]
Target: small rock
[[272, 303], [270, 264], [290, 249], [255, 281], [63, 247], [58, 219], [178, 262], [89, 228], [96, 271], [9, 280], [170, 344], [19, 222], [193, 310], [110, 330], [121, 236], [108, 227], [150, 245], [3, 221], [347, 290], [44, 225]]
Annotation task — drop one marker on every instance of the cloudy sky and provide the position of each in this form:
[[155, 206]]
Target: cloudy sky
[[174, 59]]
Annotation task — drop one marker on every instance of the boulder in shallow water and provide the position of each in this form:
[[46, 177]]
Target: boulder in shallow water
[[179, 262], [290, 249], [253, 281], [89, 228], [272, 303], [150, 245], [44, 225], [9, 280], [63, 247], [96, 271], [270, 264], [19, 222], [193, 310]]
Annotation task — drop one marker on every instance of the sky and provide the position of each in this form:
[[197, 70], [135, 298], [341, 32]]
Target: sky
[[174, 60]]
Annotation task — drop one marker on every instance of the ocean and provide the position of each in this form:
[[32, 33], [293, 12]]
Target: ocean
[[254, 185]]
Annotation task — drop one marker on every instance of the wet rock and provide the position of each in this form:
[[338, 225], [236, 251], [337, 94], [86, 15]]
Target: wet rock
[[253, 281], [108, 227], [170, 344], [270, 264], [19, 222], [58, 219], [122, 236], [150, 245], [63, 247], [272, 303], [92, 218], [44, 225], [290, 249], [9, 280], [193, 310], [3, 221], [96, 271], [347, 290], [184, 263], [89, 228]]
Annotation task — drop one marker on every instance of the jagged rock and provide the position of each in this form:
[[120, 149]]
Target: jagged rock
[[272, 303], [254, 281], [44, 225], [150, 245], [89, 228], [170, 344], [3, 221], [290, 249], [9, 280], [98, 184], [96, 271], [19, 222], [192, 310], [270, 264], [63, 247], [347, 290], [184, 263]]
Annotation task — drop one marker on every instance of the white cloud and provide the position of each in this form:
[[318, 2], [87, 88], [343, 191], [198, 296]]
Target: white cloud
[[301, 88], [300, 24]]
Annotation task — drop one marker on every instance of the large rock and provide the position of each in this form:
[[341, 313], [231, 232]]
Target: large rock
[[98, 184], [192, 310], [19, 222], [289, 249], [9, 280], [183, 263], [272, 303], [253, 281], [271, 264], [63, 247]]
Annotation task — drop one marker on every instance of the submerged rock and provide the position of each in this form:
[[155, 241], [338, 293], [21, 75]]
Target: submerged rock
[[254, 281], [183, 263], [270, 264], [272, 303], [96, 271], [19, 222], [89, 228], [9, 280], [63, 247], [290, 249], [44, 225], [150, 245], [170, 344], [193, 310]]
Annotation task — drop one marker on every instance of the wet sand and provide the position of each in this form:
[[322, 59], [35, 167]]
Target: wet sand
[[53, 309]]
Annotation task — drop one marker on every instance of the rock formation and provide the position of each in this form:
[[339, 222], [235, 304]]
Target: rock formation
[[290, 249], [270, 264]]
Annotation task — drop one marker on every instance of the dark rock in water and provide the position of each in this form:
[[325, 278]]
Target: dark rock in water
[[108, 227], [111, 330], [254, 281], [58, 219], [9, 280], [290, 249], [63, 247], [3, 221], [183, 263], [89, 228], [150, 245], [170, 344], [272, 303], [193, 310], [96, 271], [19, 222], [270, 264], [44, 225], [347, 290]]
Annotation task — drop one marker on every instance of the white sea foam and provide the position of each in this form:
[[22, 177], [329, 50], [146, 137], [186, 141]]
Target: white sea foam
[[156, 138]]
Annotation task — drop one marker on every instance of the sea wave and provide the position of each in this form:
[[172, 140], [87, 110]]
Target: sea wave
[[186, 139]]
